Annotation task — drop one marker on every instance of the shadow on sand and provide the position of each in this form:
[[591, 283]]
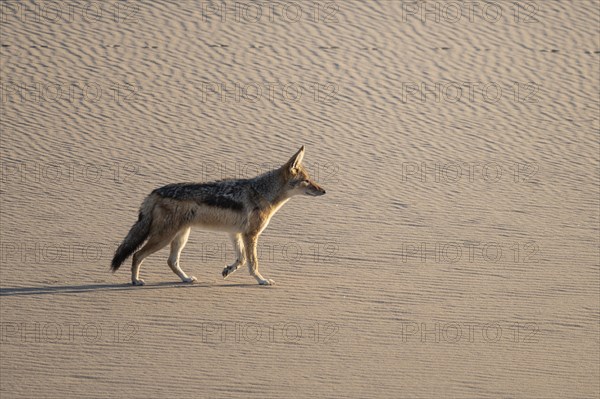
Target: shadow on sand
[[71, 289]]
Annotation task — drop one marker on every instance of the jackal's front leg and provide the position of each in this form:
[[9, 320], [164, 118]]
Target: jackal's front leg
[[238, 246], [250, 243]]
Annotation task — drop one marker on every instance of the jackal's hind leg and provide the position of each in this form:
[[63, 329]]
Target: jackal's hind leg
[[240, 254], [155, 243], [176, 247]]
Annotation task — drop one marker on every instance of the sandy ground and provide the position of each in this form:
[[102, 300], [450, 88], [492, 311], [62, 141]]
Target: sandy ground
[[455, 254]]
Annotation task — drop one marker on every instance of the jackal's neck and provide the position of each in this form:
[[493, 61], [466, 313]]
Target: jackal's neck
[[271, 188]]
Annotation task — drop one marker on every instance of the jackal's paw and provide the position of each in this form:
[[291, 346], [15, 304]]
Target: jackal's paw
[[190, 279], [138, 282], [266, 282], [227, 271]]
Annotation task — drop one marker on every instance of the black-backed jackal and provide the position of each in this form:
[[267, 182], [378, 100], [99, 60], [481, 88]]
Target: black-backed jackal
[[240, 207]]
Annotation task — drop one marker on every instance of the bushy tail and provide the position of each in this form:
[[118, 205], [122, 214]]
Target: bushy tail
[[136, 236]]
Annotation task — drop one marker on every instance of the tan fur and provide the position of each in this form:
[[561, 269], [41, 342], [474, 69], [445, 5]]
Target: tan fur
[[243, 208]]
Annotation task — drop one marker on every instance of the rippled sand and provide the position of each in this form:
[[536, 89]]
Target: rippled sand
[[454, 255]]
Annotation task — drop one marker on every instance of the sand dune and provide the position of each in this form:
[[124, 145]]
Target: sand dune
[[454, 255]]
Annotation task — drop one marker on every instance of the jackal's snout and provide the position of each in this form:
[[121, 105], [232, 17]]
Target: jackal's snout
[[315, 190]]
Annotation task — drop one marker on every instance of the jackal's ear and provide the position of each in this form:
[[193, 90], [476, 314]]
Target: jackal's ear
[[295, 161]]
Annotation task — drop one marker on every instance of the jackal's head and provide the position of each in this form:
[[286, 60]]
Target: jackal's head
[[298, 182]]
